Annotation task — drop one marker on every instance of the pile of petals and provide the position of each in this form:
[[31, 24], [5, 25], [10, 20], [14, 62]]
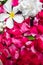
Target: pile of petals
[[22, 44]]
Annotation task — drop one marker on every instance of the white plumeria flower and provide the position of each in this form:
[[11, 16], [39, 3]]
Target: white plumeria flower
[[10, 13], [30, 7]]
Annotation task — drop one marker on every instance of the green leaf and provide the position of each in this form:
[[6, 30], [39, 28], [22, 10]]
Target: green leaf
[[2, 2], [31, 37]]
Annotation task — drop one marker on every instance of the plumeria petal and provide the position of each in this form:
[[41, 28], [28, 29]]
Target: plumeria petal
[[39, 6], [3, 16], [19, 1], [8, 6], [18, 18], [9, 23], [15, 9]]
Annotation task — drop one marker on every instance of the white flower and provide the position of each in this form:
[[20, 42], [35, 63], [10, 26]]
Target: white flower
[[10, 14], [30, 7]]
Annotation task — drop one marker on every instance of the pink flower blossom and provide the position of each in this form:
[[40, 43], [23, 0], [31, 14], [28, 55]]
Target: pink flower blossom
[[1, 9], [14, 2]]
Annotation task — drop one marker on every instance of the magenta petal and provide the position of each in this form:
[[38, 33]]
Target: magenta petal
[[14, 2]]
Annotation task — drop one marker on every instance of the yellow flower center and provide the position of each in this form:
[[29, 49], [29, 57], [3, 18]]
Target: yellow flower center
[[12, 14]]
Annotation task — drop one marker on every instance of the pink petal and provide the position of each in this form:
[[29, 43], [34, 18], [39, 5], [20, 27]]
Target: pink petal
[[14, 2]]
